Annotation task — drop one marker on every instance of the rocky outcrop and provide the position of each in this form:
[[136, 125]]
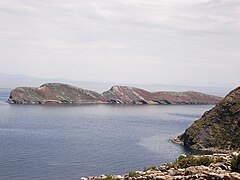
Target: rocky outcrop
[[219, 168], [218, 129], [188, 97], [132, 95], [62, 93], [54, 93]]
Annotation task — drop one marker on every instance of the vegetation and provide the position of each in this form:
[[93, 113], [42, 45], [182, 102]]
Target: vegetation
[[218, 128], [152, 168], [108, 178], [220, 160], [185, 161], [235, 164], [133, 174], [190, 160]]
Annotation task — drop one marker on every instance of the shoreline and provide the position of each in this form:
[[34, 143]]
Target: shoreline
[[219, 167], [212, 150]]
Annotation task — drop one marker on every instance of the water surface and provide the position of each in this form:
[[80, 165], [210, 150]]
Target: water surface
[[67, 141]]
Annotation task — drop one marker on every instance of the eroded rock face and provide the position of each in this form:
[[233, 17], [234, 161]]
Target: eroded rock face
[[53, 93], [132, 95], [218, 128]]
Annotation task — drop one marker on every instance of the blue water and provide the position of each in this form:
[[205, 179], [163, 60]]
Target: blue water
[[67, 141]]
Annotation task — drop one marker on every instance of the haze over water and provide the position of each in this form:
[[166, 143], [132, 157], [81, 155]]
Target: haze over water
[[67, 141]]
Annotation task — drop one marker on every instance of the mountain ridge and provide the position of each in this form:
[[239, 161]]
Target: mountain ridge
[[58, 93]]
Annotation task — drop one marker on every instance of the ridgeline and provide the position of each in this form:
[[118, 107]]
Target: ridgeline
[[56, 93]]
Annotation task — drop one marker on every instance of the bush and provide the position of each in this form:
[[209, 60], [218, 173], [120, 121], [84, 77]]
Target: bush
[[220, 160], [235, 164], [106, 178], [133, 174], [190, 160], [152, 168]]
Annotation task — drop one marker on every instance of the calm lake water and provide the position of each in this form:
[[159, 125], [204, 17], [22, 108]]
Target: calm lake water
[[67, 142]]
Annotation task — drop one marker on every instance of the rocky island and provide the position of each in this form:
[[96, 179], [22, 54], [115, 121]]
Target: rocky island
[[54, 93], [57, 93]]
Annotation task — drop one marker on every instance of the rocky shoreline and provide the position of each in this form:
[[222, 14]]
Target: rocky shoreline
[[216, 166], [213, 150]]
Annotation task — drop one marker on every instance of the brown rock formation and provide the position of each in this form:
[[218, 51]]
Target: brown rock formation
[[54, 93], [62, 93], [132, 95]]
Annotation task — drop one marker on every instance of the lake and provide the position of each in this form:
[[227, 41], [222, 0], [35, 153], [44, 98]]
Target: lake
[[70, 141]]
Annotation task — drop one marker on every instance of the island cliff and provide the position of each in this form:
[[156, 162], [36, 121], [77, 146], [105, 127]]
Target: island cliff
[[217, 129], [132, 95], [53, 93]]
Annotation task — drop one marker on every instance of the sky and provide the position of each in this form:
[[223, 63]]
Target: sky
[[185, 42]]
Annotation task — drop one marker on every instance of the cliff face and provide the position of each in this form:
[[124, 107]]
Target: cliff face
[[218, 128], [62, 93], [131, 95], [54, 93]]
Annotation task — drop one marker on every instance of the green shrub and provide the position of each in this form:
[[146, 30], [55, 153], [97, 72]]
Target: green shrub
[[220, 160], [106, 178], [152, 168], [190, 160], [235, 164], [133, 174]]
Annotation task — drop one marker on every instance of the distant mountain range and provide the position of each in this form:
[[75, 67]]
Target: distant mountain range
[[16, 80]]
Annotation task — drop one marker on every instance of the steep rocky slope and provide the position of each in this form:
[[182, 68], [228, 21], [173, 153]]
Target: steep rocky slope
[[218, 128], [132, 95], [54, 93]]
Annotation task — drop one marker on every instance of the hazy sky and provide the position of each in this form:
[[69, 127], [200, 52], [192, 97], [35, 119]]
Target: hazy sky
[[190, 42]]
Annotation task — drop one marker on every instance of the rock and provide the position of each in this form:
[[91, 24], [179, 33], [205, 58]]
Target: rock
[[219, 128], [119, 177], [132, 95], [57, 93], [193, 172], [84, 178], [216, 175], [235, 175], [54, 93], [159, 178], [235, 153]]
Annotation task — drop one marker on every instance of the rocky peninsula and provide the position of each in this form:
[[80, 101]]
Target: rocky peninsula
[[57, 93], [218, 129]]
